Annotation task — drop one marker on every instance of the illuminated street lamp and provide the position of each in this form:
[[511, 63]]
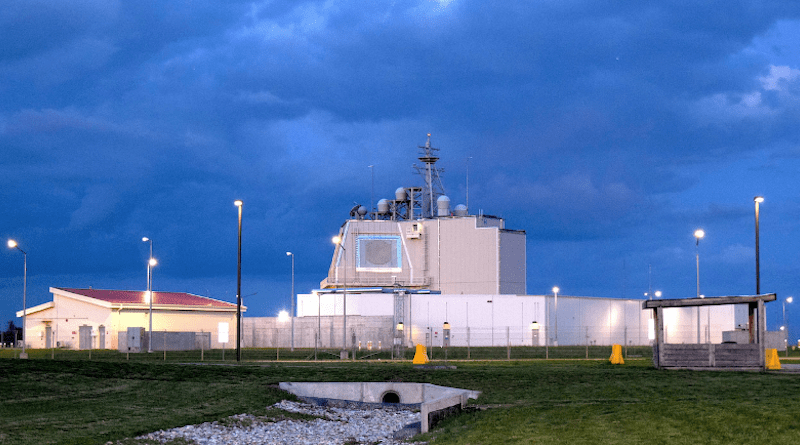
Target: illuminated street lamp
[[149, 295], [555, 298], [786, 338], [13, 245], [150, 264], [758, 200], [239, 203], [339, 242], [698, 234], [292, 313], [649, 295]]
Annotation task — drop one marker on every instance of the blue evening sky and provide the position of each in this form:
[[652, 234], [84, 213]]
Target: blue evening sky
[[608, 131]]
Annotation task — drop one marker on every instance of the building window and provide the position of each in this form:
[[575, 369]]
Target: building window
[[378, 253]]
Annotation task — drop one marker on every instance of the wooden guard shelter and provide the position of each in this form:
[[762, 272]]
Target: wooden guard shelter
[[750, 356]]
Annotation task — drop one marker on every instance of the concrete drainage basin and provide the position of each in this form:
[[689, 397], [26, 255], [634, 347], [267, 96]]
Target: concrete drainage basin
[[433, 401]]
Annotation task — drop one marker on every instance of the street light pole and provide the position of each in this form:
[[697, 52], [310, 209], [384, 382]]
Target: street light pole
[[13, 245], [699, 233], [150, 263], [239, 203], [340, 242], [555, 298], [292, 314], [786, 339], [758, 200]]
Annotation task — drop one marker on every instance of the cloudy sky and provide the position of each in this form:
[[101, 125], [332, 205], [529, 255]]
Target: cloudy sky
[[608, 131]]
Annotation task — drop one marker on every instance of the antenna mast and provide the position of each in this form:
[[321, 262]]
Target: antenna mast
[[432, 176]]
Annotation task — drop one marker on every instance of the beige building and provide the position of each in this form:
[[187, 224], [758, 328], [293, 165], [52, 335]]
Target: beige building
[[99, 319], [464, 254]]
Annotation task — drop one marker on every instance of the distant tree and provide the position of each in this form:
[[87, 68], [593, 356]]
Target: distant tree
[[11, 334]]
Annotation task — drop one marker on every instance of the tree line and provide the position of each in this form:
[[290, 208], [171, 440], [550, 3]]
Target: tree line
[[12, 333]]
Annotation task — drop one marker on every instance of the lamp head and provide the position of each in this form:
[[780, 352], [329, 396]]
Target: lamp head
[[556, 289], [152, 262], [699, 233], [337, 239], [288, 253], [238, 203], [12, 244], [789, 300], [145, 239], [758, 199]]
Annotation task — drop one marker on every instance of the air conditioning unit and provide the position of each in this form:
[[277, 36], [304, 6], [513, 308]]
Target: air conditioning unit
[[414, 231], [136, 340]]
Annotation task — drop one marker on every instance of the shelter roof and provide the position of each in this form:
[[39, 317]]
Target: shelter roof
[[708, 301], [159, 298]]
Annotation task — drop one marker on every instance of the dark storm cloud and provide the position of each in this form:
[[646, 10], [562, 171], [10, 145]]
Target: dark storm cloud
[[606, 131]]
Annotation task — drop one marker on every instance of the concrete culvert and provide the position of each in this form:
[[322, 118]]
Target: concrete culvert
[[391, 397], [426, 397]]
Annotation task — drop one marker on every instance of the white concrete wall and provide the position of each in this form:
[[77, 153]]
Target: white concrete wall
[[499, 320], [453, 255], [513, 264], [681, 324], [373, 333], [69, 314]]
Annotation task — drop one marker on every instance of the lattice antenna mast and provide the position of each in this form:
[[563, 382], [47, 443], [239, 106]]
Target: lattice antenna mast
[[431, 174]]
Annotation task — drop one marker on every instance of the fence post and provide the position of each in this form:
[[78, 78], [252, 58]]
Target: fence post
[[508, 343], [547, 344], [626, 341], [468, 356]]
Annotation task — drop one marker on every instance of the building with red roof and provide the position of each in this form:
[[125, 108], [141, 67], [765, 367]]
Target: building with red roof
[[100, 318]]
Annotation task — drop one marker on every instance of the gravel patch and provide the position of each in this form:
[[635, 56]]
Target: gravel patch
[[336, 426]]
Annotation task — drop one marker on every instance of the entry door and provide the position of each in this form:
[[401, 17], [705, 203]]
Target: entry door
[[48, 337], [101, 337], [84, 337]]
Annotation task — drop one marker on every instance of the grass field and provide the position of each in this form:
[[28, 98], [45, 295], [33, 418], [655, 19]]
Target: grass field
[[81, 401]]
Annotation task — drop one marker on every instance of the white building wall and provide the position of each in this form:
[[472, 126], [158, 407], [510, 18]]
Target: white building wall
[[67, 316], [466, 257], [681, 324], [475, 320], [486, 319], [512, 263], [453, 255]]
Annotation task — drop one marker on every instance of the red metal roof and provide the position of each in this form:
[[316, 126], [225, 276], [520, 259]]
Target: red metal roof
[[159, 298]]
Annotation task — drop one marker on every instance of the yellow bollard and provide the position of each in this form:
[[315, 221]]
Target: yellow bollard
[[421, 356], [616, 355], [773, 362]]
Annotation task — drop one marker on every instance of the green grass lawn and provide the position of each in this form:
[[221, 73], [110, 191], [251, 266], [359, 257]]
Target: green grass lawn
[[557, 401]]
